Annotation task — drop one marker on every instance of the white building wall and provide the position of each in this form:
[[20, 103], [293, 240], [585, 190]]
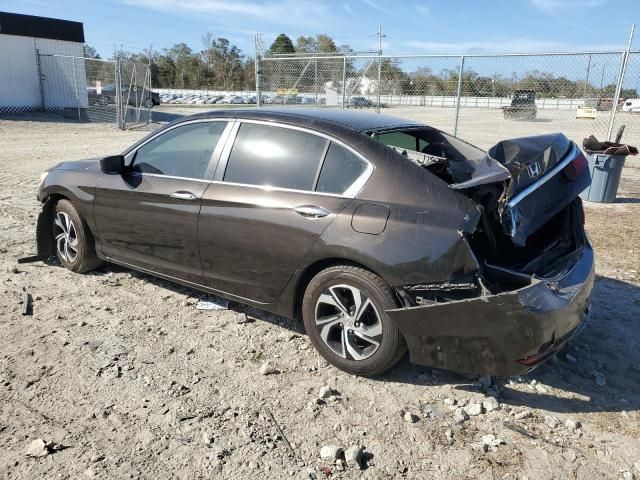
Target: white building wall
[[19, 83], [19, 88]]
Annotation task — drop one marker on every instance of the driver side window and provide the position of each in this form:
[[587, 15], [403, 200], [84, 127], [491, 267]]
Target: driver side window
[[181, 152]]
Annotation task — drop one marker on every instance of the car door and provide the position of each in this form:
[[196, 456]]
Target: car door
[[275, 190], [148, 217]]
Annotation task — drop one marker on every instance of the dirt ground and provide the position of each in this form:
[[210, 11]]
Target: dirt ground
[[126, 379]]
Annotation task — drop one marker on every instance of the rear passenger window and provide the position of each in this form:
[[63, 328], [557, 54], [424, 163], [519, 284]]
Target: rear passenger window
[[274, 156], [180, 152], [340, 169]]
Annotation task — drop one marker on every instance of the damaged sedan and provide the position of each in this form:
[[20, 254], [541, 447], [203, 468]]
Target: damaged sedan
[[383, 235]]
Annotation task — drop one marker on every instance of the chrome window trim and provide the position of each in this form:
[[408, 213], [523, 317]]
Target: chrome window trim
[[351, 192], [571, 155], [170, 177], [267, 188]]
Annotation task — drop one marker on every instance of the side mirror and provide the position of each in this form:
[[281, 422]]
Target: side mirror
[[113, 165]]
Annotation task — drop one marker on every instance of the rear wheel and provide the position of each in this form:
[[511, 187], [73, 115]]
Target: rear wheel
[[73, 240], [344, 315]]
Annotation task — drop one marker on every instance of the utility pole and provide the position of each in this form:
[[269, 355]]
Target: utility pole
[[380, 37]]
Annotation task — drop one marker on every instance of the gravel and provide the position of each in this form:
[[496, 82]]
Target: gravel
[[155, 411]]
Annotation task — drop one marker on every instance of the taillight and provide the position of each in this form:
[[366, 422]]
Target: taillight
[[575, 167]]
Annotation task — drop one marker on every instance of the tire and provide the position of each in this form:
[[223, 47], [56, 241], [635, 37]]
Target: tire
[[341, 340], [72, 239]]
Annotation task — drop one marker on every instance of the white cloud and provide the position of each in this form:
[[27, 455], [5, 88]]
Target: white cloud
[[375, 5], [422, 10], [505, 45], [304, 13], [554, 6]]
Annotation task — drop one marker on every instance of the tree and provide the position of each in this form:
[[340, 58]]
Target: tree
[[320, 44], [282, 44], [90, 52]]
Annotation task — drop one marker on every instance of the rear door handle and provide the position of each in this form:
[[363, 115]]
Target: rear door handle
[[312, 211], [183, 195]]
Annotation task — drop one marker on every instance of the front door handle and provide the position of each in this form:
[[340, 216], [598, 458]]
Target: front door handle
[[183, 195], [311, 211]]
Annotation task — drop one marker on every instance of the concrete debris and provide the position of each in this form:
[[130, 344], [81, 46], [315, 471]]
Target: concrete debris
[[448, 435], [572, 424], [521, 415], [460, 416], [450, 401], [490, 404], [353, 456], [215, 304], [25, 300], [473, 409], [491, 441], [330, 453], [268, 369], [627, 475], [552, 422], [326, 392], [410, 417], [242, 318], [37, 448]]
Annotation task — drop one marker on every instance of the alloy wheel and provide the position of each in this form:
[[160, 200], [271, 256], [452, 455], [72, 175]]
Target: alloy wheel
[[66, 238], [348, 322]]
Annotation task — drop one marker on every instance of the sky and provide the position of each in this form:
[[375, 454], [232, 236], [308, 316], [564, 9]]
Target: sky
[[410, 26]]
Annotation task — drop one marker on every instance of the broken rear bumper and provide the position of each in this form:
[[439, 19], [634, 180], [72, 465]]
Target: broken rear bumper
[[504, 334]]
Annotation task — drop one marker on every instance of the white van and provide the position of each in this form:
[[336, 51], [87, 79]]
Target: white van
[[631, 105]]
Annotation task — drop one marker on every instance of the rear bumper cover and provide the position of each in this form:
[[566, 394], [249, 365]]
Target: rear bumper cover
[[488, 335]]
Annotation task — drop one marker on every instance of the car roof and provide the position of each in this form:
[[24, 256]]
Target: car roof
[[356, 120]]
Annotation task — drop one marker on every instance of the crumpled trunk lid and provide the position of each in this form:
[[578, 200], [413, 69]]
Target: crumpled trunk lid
[[545, 174], [548, 172]]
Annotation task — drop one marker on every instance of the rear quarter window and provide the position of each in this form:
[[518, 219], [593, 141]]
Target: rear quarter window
[[340, 170]]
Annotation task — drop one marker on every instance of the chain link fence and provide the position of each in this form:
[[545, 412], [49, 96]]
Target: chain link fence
[[481, 98], [94, 90]]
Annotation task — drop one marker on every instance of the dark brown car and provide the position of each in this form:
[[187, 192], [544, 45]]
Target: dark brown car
[[380, 233]]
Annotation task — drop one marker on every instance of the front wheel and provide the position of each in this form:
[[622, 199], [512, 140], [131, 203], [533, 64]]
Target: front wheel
[[73, 240], [344, 315]]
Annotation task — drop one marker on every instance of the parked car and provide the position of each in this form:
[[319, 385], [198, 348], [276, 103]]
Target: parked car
[[136, 96], [631, 105], [523, 106], [380, 233], [359, 102]]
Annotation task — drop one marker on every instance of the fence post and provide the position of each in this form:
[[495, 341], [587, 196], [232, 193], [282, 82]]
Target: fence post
[[118, 75], [40, 78], [257, 69], [616, 97], [344, 79], [379, 78], [75, 81], [455, 125]]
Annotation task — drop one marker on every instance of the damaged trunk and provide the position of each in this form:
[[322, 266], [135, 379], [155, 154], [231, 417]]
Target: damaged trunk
[[527, 191]]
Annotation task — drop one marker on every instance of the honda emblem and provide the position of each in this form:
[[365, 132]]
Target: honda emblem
[[533, 169]]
